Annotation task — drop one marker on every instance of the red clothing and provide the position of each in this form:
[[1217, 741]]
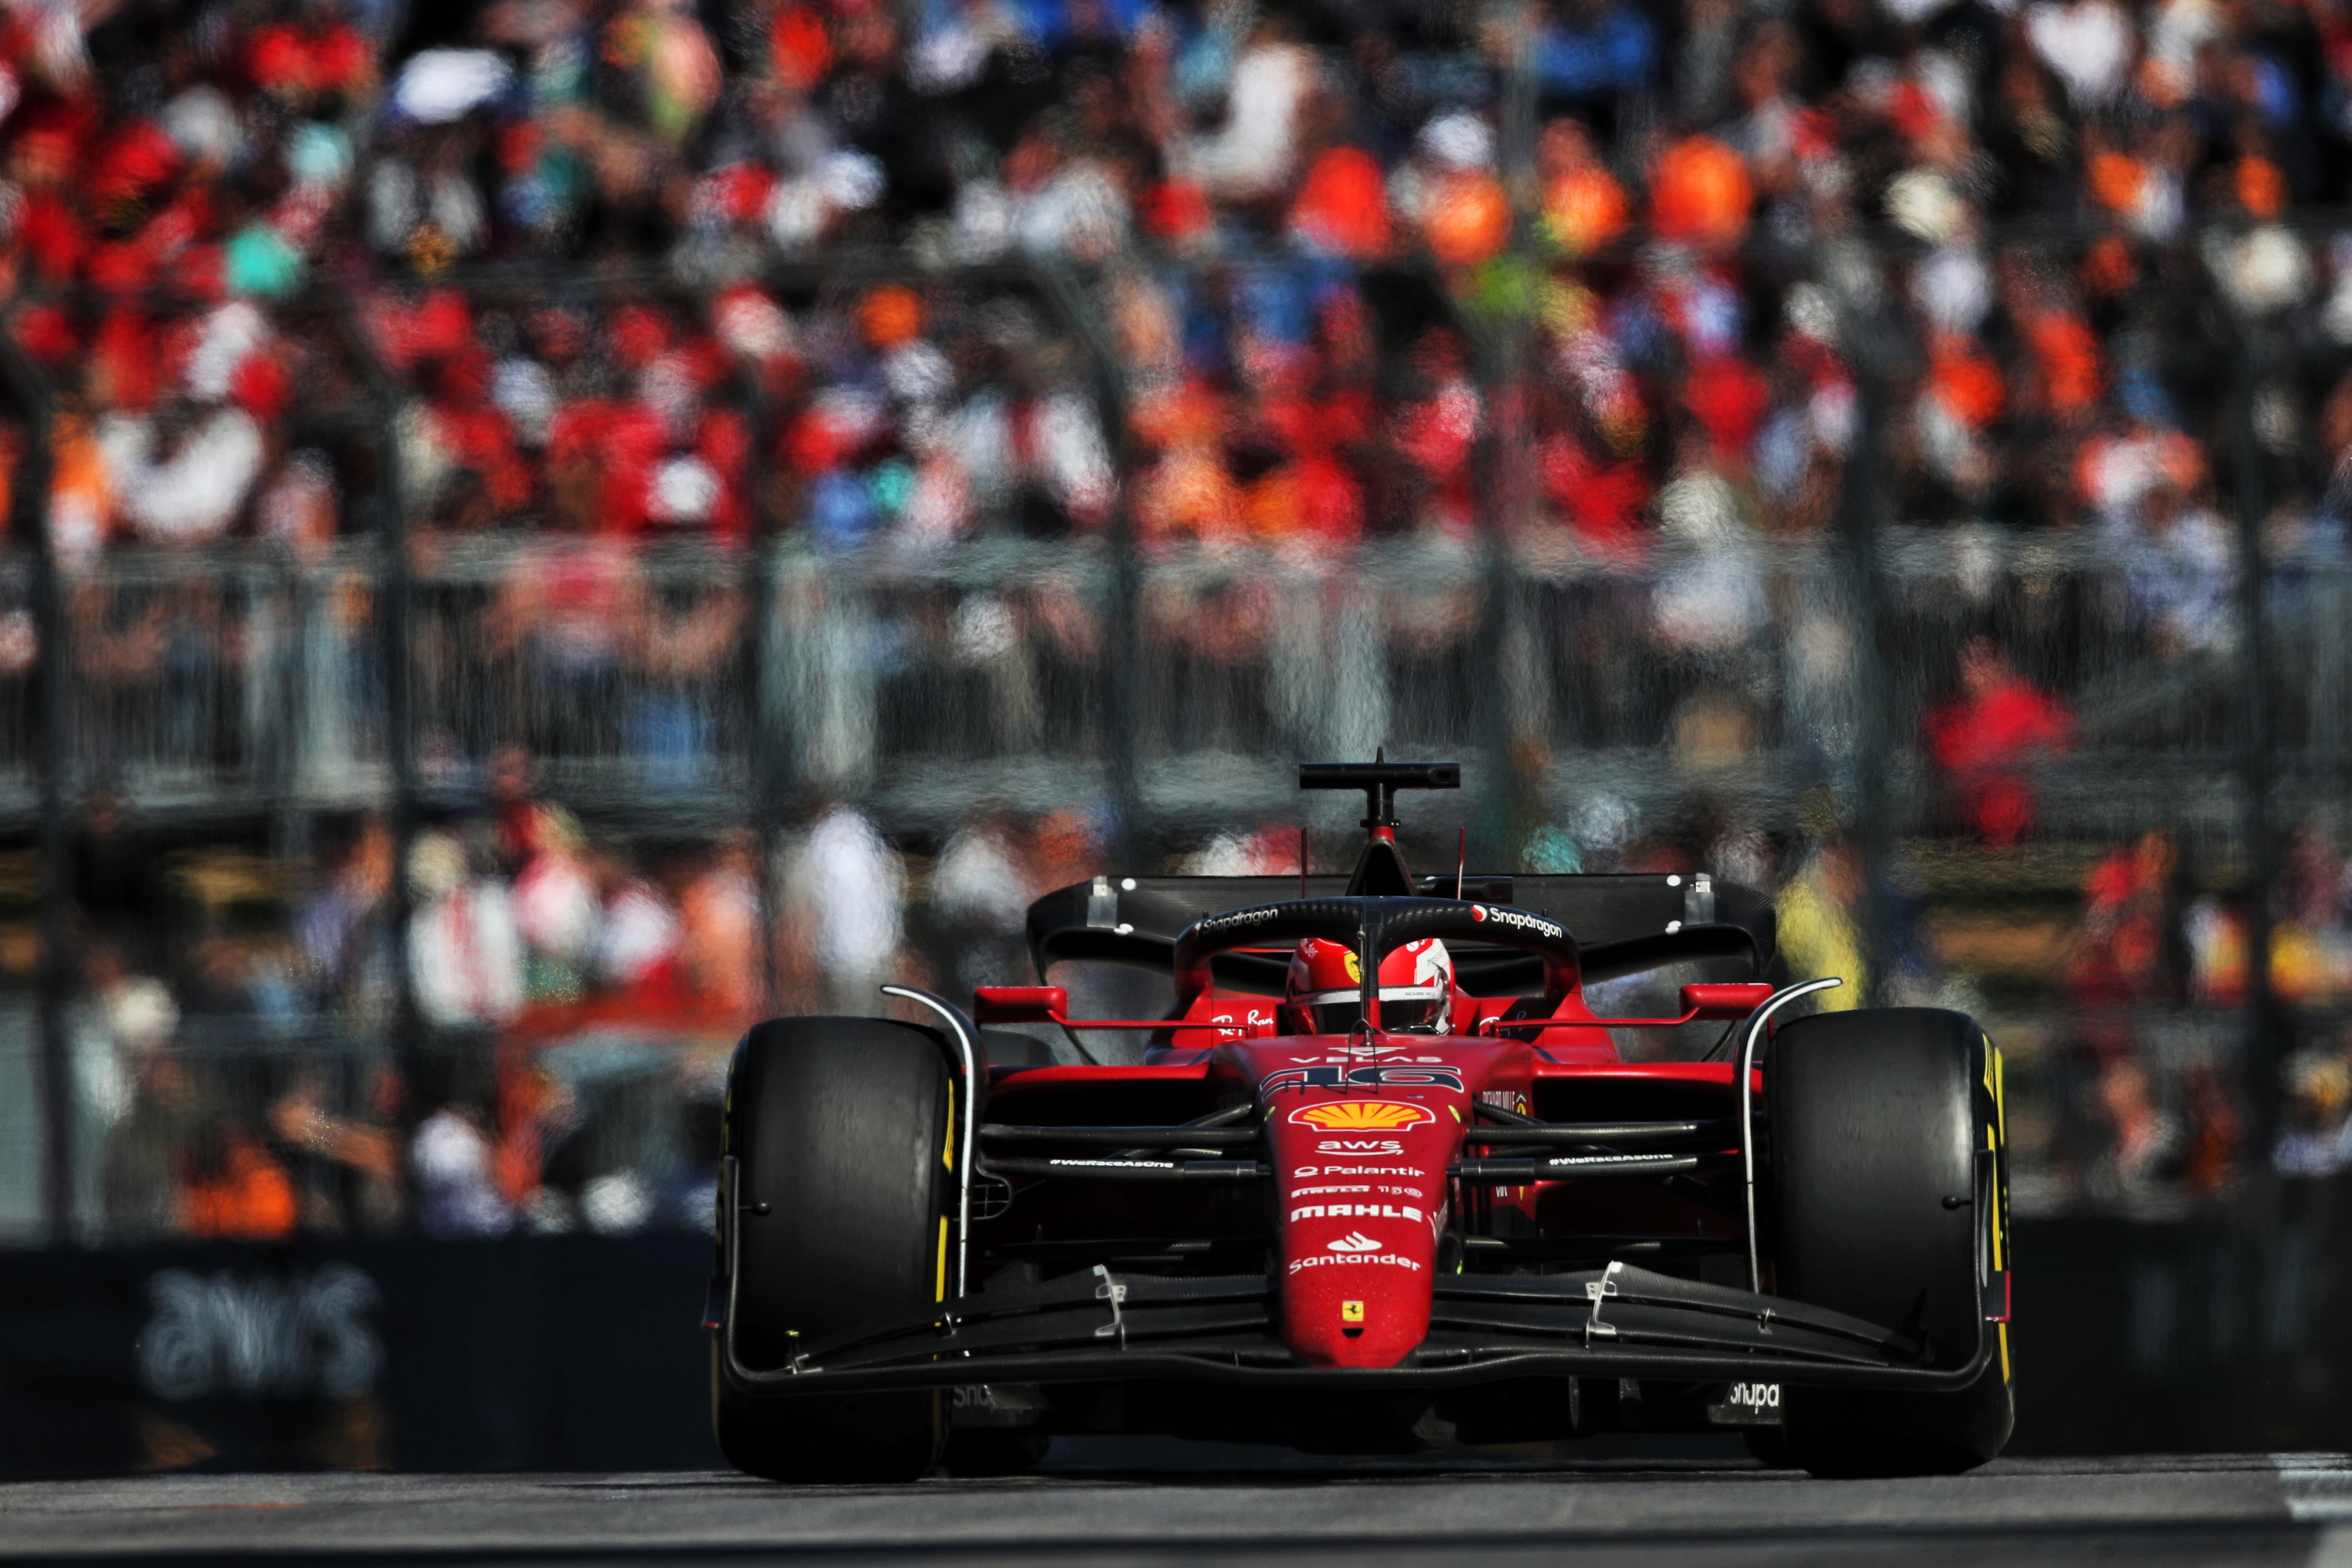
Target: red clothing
[[1602, 501], [624, 442], [1983, 742], [1343, 204]]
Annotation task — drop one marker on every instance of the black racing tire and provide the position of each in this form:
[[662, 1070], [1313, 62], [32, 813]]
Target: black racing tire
[[1875, 1119], [840, 1127]]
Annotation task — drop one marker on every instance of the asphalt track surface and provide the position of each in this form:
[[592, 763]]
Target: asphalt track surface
[[2269, 1510]]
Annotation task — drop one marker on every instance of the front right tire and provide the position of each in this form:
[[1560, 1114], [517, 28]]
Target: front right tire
[[840, 1131]]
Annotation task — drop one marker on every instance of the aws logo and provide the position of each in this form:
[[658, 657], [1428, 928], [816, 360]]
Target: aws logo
[[1361, 1116]]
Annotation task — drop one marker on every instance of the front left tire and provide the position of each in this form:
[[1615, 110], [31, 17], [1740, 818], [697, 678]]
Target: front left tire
[[1889, 1201]]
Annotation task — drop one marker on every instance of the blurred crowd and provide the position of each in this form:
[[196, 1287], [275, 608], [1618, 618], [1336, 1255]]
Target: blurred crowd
[[589, 298], [1329, 253], [243, 1067], [576, 995]]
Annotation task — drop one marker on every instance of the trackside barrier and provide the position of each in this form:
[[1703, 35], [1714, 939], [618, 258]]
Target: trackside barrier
[[582, 1352]]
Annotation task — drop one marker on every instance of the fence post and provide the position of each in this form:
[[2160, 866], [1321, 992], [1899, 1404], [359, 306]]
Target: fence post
[[1508, 792], [767, 767], [30, 518], [1122, 742], [2263, 1024], [394, 596], [1872, 348]]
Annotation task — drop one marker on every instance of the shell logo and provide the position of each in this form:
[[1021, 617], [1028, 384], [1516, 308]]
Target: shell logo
[[1361, 1115]]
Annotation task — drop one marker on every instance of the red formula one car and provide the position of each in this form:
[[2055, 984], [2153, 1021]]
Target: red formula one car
[[1381, 1183]]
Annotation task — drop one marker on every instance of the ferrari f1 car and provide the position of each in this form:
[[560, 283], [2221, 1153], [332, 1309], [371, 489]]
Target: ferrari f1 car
[[1380, 1183]]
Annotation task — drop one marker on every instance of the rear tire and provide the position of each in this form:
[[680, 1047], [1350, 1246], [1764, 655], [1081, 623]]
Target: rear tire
[[840, 1127], [1876, 1118]]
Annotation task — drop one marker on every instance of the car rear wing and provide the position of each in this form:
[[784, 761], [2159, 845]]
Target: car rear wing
[[1624, 924]]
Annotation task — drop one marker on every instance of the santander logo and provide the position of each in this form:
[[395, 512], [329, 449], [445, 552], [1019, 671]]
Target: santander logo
[[1354, 1241]]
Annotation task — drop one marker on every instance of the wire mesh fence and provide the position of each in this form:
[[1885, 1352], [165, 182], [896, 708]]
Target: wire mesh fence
[[640, 656]]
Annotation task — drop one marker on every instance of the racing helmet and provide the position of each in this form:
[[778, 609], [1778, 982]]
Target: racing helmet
[[1326, 983]]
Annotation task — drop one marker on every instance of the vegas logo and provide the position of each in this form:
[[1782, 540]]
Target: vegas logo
[[1361, 1115]]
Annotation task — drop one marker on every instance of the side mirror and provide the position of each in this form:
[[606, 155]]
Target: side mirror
[[1725, 1002], [1022, 1004]]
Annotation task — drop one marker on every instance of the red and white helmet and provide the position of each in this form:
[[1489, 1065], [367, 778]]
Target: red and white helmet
[[1416, 986]]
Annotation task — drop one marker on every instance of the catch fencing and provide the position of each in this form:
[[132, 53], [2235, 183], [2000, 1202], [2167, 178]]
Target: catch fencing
[[1745, 688]]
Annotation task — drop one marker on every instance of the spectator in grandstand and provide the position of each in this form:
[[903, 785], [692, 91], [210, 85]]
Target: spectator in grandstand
[[2130, 944], [118, 1024], [979, 898], [637, 935], [2216, 1132], [557, 904], [140, 1175], [570, 611], [1709, 599], [2182, 575], [450, 1158], [2141, 1143], [465, 954], [720, 913], [343, 924], [349, 1162], [1816, 912], [1986, 739], [844, 911], [2316, 1137], [1597, 50], [2310, 938], [233, 1188]]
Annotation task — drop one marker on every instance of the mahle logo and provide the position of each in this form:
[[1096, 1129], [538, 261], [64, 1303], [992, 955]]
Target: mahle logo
[[1361, 1115]]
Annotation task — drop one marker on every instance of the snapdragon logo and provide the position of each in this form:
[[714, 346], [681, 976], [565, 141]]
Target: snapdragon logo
[[1517, 919], [1239, 917]]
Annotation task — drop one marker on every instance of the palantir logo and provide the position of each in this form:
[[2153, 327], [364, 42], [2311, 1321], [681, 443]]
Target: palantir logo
[[1354, 1241], [260, 1337]]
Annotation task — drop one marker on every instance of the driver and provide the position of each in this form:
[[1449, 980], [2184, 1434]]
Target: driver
[[1326, 986]]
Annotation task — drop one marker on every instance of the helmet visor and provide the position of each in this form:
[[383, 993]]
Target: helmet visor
[[1402, 1010]]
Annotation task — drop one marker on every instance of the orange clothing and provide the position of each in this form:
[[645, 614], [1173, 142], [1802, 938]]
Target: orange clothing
[[250, 1200], [1700, 192], [1469, 218], [1584, 209]]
